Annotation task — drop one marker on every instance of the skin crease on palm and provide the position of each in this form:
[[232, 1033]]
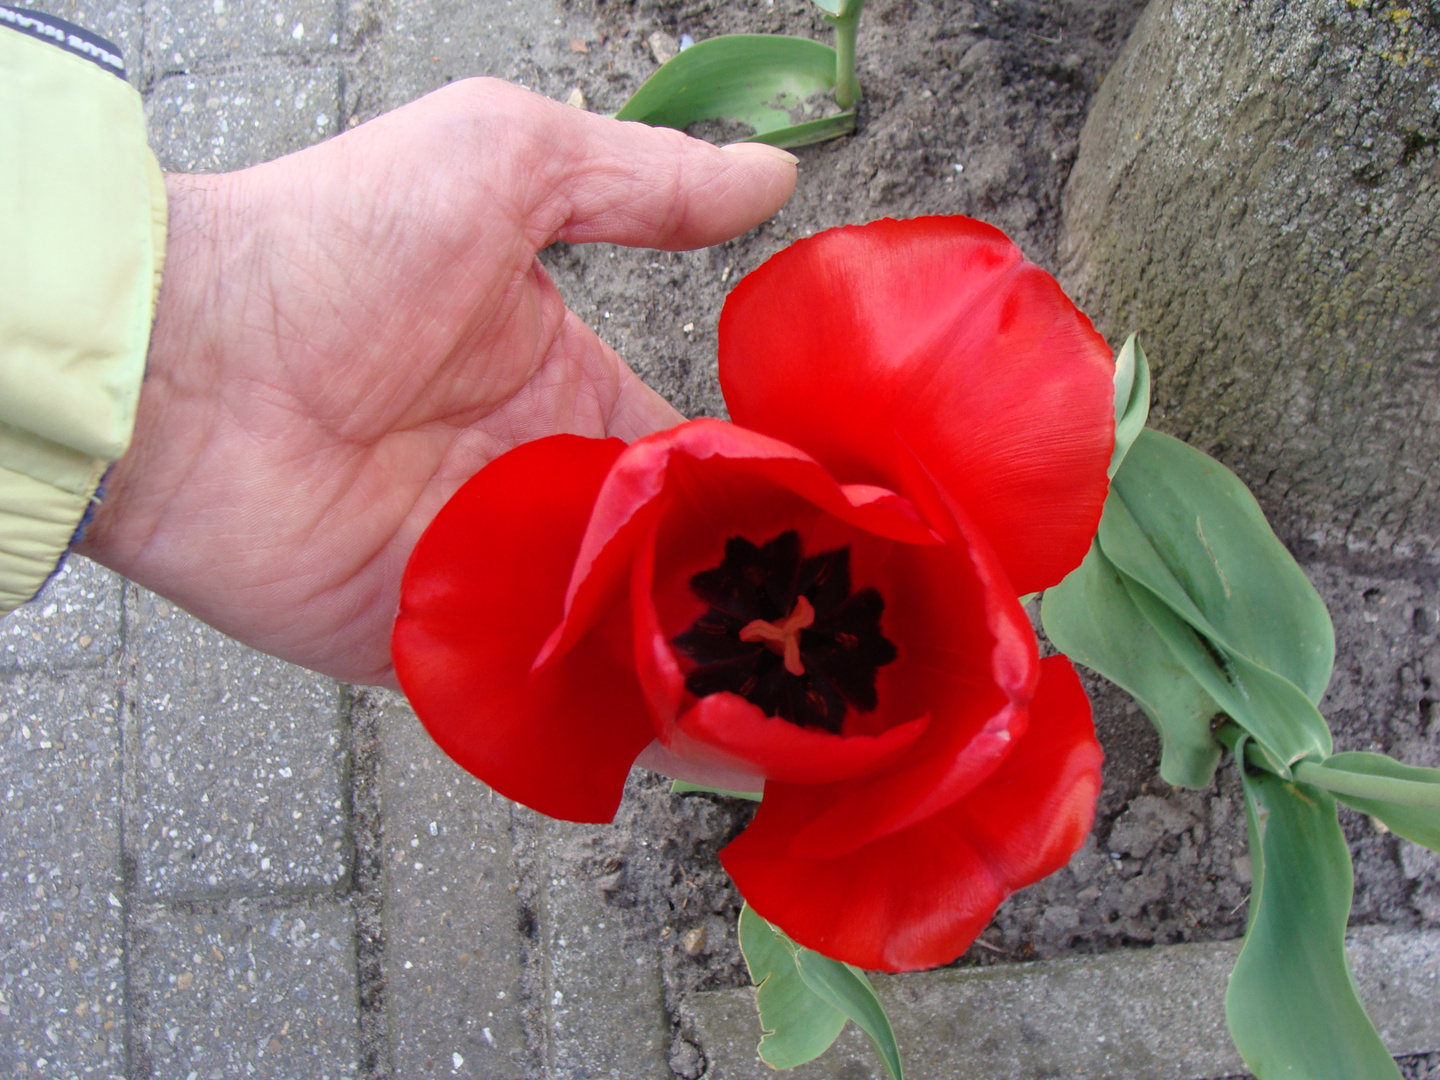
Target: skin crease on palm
[[345, 335]]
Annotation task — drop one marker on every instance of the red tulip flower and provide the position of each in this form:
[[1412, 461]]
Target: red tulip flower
[[819, 597]]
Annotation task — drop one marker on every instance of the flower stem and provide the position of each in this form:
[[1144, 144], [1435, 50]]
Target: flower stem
[[846, 22], [1366, 786], [1340, 781]]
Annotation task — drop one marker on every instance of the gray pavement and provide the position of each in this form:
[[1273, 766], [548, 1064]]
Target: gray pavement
[[1141, 1014], [213, 864]]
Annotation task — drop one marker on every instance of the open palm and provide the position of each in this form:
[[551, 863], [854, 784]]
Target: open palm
[[345, 335]]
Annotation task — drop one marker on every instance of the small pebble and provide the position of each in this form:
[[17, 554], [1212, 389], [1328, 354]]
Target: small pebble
[[694, 941], [662, 46]]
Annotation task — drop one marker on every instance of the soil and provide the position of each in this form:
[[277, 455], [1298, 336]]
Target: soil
[[976, 108]]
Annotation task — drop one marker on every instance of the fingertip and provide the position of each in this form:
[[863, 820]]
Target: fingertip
[[628, 183]]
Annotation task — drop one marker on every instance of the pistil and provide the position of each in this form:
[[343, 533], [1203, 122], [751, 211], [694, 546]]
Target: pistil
[[783, 636]]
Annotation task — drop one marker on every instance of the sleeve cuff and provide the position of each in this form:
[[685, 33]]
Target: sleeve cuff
[[82, 239]]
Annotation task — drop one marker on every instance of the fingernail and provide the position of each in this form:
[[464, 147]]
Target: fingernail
[[760, 149]]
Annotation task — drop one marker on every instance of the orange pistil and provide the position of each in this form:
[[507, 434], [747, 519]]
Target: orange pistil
[[783, 637]]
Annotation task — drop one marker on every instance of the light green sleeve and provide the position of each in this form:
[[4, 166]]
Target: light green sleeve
[[82, 239]]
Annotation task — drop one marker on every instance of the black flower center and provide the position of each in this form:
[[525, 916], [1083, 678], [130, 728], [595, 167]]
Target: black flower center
[[786, 634]]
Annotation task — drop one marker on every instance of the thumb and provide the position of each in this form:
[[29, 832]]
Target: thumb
[[628, 183]]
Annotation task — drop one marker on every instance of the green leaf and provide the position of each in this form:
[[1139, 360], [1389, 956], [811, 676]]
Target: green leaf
[[685, 787], [1292, 1005], [1406, 797], [1222, 559], [1091, 619], [830, 7], [1132, 399], [804, 999], [799, 1025], [756, 79], [1185, 529], [1285, 723], [846, 988], [808, 133]]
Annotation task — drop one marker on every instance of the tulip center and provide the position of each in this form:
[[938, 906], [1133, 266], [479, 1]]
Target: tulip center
[[786, 633]]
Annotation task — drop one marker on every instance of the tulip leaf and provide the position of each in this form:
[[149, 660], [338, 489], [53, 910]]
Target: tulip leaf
[[809, 132], [1406, 798], [1269, 707], [1132, 399], [799, 1025], [685, 787], [1184, 530], [755, 79], [1292, 1004], [1091, 619], [845, 987], [1224, 563], [805, 998]]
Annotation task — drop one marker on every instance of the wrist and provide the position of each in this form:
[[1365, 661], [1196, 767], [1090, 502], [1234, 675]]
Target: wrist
[[140, 485]]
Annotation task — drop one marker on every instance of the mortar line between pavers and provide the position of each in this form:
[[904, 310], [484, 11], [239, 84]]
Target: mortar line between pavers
[[339, 892], [127, 692], [529, 840], [365, 834], [259, 64], [145, 71]]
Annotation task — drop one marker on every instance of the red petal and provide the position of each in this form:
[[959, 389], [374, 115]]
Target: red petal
[[918, 897], [658, 759], [725, 729], [938, 330], [484, 588]]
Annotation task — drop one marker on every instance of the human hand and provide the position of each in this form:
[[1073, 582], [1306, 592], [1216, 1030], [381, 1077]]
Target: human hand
[[345, 335]]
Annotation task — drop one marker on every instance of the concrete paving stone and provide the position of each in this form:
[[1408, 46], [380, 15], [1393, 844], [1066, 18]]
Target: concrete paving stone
[[61, 928], [453, 944], [211, 123], [1152, 1014], [239, 766], [186, 33], [73, 623], [428, 43], [248, 988], [119, 22], [603, 993]]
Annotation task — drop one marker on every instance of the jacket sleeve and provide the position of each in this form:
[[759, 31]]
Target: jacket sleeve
[[82, 239]]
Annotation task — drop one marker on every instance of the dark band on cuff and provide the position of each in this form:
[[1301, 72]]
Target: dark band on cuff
[[65, 35]]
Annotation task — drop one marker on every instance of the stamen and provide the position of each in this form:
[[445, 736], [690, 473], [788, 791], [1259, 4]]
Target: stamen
[[783, 637], [746, 644]]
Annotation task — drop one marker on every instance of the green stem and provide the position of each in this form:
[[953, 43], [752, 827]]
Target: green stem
[[846, 22], [1229, 735], [1342, 782], [1365, 786]]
